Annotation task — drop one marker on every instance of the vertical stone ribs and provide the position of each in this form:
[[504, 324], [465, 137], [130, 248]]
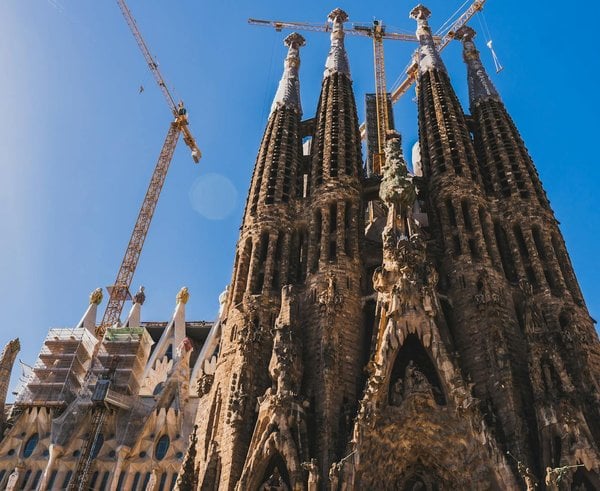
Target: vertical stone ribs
[[506, 166], [333, 320]]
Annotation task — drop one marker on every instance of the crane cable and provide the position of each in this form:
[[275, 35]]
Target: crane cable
[[488, 41]]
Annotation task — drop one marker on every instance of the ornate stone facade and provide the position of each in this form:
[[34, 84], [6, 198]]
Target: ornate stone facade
[[393, 331], [446, 347], [136, 432]]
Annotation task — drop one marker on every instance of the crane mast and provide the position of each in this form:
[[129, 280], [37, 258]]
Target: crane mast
[[119, 291]]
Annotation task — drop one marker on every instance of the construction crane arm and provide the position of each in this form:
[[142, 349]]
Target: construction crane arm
[[353, 29], [177, 109]]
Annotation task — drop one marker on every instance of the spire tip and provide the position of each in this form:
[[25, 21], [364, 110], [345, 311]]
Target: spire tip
[[294, 40], [338, 15], [420, 12]]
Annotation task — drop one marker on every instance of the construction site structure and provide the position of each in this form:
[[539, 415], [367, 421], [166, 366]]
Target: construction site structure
[[125, 426], [444, 346]]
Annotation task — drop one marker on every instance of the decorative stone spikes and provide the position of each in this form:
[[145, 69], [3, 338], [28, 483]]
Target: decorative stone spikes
[[337, 60], [429, 58], [480, 85], [88, 321], [396, 187], [134, 317], [288, 92], [179, 317]]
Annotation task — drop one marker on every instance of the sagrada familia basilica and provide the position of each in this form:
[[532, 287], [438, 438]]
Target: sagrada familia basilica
[[392, 330]]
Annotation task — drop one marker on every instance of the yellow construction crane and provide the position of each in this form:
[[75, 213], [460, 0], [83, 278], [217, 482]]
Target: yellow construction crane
[[119, 292], [378, 33]]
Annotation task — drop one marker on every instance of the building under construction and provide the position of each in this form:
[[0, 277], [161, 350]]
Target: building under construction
[[383, 329], [110, 413]]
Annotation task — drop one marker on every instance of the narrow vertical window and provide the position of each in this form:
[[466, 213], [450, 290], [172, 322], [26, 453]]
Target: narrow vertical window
[[332, 231], [505, 255], [348, 229], [262, 257]]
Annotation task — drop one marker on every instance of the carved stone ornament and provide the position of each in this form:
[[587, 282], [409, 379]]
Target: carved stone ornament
[[205, 383], [183, 295], [96, 296], [329, 299]]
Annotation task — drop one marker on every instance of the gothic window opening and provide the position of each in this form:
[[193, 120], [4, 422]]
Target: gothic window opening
[[146, 480], [30, 445], [26, 479], [318, 223], [93, 480], [451, 213], [50, 481], [505, 255], [276, 475], [97, 446], [242, 274], [104, 481], [414, 373], [525, 256], [262, 257], [556, 451], [464, 205], [486, 233], [162, 446], [564, 319], [36, 480], [136, 481], [547, 267], [67, 479], [332, 231], [121, 480], [275, 280], [564, 265], [348, 229], [163, 481], [550, 379]]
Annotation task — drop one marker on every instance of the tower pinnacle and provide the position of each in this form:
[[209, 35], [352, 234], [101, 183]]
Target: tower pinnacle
[[337, 60], [480, 85], [288, 92], [428, 54]]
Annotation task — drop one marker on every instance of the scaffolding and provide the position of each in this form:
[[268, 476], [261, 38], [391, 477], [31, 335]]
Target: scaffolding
[[59, 372], [124, 350]]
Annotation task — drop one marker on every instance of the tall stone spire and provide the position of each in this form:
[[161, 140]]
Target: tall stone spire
[[288, 92], [506, 167], [480, 85], [429, 56], [265, 262], [337, 60], [333, 322], [459, 220]]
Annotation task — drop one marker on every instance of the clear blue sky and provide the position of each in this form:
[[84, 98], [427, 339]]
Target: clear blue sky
[[78, 142]]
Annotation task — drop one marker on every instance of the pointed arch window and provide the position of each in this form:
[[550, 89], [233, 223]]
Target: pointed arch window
[[30, 445], [162, 446]]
